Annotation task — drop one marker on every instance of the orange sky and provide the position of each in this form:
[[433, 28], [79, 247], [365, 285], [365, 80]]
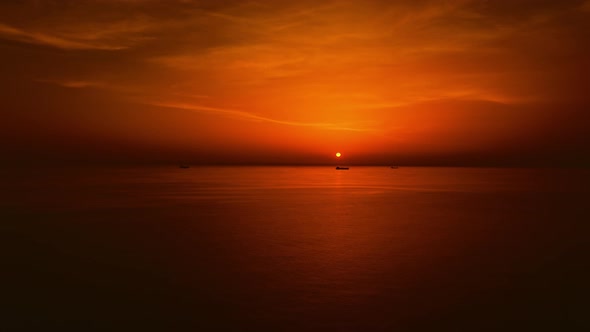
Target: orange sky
[[454, 82]]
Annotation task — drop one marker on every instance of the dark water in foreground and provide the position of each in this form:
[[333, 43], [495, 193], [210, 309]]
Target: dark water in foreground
[[296, 249]]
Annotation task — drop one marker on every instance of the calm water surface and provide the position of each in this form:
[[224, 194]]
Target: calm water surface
[[296, 249]]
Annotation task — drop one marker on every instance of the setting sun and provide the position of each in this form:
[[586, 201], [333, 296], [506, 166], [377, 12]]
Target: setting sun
[[338, 154]]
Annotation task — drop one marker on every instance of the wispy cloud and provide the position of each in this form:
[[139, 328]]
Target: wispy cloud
[[257, 118], [109, 34], [40, 38], [77, 84]]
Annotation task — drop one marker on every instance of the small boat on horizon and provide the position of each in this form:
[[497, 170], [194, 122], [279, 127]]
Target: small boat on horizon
[[183, 166], [341, 168], [394, 167]]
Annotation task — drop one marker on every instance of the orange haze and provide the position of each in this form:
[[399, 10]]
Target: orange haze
[[453, 82]]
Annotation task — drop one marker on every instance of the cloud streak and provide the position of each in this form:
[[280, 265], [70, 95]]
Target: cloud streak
[[39, 38], [257, 118], [76, 84]]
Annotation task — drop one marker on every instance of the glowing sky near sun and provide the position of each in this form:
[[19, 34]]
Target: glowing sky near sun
[[419, 82]]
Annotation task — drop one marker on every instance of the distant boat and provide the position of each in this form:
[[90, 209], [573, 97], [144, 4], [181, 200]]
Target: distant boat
[[184, 166], [342, 168], [395, 167]]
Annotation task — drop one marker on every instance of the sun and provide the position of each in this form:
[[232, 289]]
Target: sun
[[338, 154]]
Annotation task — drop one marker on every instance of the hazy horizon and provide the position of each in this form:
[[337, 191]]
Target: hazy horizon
[[458, 82]]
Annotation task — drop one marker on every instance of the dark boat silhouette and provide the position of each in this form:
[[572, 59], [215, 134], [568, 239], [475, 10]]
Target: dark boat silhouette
[[184, 166], [395, 167], [342, 168]]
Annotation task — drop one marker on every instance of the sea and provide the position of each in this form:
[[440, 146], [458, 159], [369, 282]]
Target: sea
[[295, 249]]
